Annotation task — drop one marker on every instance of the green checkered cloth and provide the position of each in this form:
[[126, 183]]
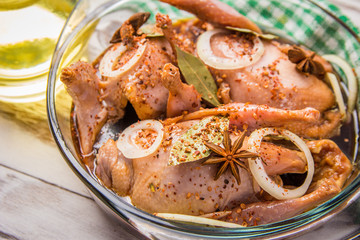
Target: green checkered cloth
[[301, 21]]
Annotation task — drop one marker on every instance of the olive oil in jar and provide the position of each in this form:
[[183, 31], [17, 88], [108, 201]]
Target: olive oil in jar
[[29, 31]]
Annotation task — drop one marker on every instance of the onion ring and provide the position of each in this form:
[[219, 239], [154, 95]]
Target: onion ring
[[204, 51], [257, 168], [197, 220], [351, 78], [130, 149], [116, 51], [337, 91]]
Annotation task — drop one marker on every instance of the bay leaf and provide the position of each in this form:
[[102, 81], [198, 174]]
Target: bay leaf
[[196, 74], [267, 36], [190, 146], [151, 30]]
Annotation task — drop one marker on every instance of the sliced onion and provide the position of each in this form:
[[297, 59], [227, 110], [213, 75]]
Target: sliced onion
[[351, 78], [337, 91], [130, 149], [111, 56], [259, 173], [197, 220], [206, 54], [216, 215]]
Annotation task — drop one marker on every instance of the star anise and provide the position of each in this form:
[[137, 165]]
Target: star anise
[[305, 63], [230, 155]]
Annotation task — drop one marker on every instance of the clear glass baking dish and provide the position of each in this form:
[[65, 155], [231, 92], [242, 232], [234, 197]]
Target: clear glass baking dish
[[86, 34]]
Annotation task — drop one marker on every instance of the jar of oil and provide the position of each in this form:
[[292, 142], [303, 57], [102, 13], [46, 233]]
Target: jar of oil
[[29, 32]]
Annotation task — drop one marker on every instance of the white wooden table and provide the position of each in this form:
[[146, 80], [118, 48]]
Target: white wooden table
[[41, 198]]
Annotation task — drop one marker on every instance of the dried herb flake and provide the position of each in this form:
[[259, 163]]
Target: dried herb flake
[[191, 145], [151, 31]]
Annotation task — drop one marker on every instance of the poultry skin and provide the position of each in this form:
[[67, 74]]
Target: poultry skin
[[190, 188], [272, 91]]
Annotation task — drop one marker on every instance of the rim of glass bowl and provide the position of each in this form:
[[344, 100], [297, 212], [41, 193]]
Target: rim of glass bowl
[[287, 227]]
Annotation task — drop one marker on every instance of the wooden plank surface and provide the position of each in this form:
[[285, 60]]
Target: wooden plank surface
[[34, 209], [40, 197], [37, 158]]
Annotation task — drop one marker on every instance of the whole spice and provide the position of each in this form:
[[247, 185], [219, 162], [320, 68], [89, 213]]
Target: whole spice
[[229, 155], [130, 27], [305, 63], [245, 30], [196, 74]]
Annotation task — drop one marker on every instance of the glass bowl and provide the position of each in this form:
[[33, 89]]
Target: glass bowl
[[86, 35]]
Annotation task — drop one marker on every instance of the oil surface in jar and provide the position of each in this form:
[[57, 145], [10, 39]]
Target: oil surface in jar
[[29, 31]]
